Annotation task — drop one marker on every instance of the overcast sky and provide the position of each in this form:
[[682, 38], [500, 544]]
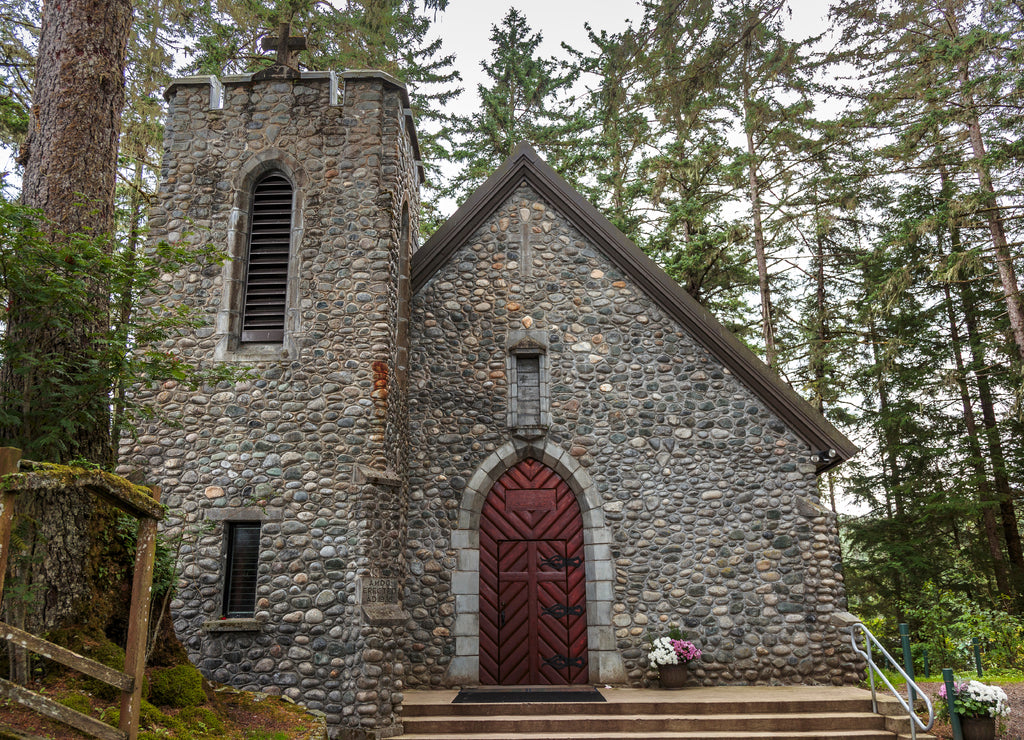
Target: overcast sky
[[466, 27]]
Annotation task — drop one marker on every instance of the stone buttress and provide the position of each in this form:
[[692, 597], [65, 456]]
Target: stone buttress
[[309, 445]]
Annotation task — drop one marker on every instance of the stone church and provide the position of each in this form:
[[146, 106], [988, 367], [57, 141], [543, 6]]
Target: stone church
[[509, 455]]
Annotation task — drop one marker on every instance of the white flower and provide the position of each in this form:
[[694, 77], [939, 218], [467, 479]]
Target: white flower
[[993, 696], [663, 653]]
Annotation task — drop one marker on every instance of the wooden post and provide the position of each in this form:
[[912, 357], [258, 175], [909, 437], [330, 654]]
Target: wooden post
[[17, 655], [138, 622], [9, 457]]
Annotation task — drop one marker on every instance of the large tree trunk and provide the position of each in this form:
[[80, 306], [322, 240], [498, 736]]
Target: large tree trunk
[[754, 184], [70, 159], [1003, 488], [988, 500]]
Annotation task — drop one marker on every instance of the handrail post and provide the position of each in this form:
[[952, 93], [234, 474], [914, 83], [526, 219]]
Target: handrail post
[[954, 718], [977, 654], [871, 673], [908, 660]]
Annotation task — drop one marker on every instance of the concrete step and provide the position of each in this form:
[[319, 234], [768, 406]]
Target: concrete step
[[711, 706], [702, 735], [648, 724], [711, 713]]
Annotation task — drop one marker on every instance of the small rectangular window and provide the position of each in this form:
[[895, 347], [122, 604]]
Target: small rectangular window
[[528, 390], [242, 567]]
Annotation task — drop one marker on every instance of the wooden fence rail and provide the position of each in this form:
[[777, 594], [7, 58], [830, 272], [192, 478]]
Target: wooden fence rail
[[139, 502]]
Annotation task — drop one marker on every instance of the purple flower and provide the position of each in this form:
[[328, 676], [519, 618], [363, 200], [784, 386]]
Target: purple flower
[[685, 650]]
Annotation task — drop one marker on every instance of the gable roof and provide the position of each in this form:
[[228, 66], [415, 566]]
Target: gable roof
[[526, 165]]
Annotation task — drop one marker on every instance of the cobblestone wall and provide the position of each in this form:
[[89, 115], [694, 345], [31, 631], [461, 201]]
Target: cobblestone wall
[[709, 500], [310, 444]]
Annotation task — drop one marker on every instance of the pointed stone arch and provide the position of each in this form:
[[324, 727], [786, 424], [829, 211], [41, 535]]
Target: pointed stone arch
[[233, 271], [605, 662]]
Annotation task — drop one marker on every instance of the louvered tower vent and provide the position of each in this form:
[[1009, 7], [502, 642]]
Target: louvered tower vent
[[266, 280]]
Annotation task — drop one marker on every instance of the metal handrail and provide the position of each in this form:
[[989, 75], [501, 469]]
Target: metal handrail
[[912, 688]]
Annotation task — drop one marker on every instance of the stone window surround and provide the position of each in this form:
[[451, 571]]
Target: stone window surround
[[527, 343], [229, 317], [604, 661], [221, 516]]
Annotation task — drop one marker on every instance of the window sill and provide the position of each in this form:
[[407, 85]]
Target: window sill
[[234, 624], [235, 351]]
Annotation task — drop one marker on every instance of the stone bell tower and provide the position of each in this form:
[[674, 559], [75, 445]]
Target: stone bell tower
[[288, 489]]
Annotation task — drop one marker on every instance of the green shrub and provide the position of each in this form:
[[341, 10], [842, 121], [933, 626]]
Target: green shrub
[[178, 686], [946, 621]]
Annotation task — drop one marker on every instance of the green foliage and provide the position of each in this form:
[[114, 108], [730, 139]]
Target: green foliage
[[177, 686], [526, 99], [152, 718], [946, 622], [109, 654], [202, 721], [265, 735], [59, 274]]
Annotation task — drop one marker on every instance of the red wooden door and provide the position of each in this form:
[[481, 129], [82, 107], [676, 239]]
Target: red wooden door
[[533, 621]]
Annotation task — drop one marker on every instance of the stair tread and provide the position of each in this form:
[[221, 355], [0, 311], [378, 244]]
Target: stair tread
[[729, 735], [636, 715], [612, 708]]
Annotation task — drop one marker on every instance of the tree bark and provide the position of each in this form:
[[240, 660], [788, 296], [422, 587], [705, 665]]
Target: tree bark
[[989, 502], [997, 232], [70, 159], [754, 185], [1003, 489]]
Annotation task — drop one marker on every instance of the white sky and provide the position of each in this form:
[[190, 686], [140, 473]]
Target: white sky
[[466, 27]]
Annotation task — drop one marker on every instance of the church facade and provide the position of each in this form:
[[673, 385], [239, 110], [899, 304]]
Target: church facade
[[508, 456]]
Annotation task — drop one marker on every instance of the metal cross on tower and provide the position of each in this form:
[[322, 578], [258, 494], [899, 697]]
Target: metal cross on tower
[[286, 66]]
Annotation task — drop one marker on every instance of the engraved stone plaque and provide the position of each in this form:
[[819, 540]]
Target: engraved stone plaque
[[380, 600]]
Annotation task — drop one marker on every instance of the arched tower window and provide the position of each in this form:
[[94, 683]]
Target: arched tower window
[[266, 278]]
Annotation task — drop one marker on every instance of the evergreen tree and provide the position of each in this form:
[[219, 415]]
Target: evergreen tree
[[389, 35], [527, 99]]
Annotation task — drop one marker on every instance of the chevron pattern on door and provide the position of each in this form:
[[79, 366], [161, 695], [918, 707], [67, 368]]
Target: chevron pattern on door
[[533, 614]]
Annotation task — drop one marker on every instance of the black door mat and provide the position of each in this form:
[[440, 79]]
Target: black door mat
[[514, 695]]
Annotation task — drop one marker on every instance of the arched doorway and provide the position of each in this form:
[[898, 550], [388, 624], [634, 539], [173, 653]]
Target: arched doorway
[[533, 620]]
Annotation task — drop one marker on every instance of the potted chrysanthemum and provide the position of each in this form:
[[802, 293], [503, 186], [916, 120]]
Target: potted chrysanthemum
[[671, 656], [979, 706]]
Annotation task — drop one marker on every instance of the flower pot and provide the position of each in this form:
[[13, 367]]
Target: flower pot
[[977, 728], [673, 676]]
